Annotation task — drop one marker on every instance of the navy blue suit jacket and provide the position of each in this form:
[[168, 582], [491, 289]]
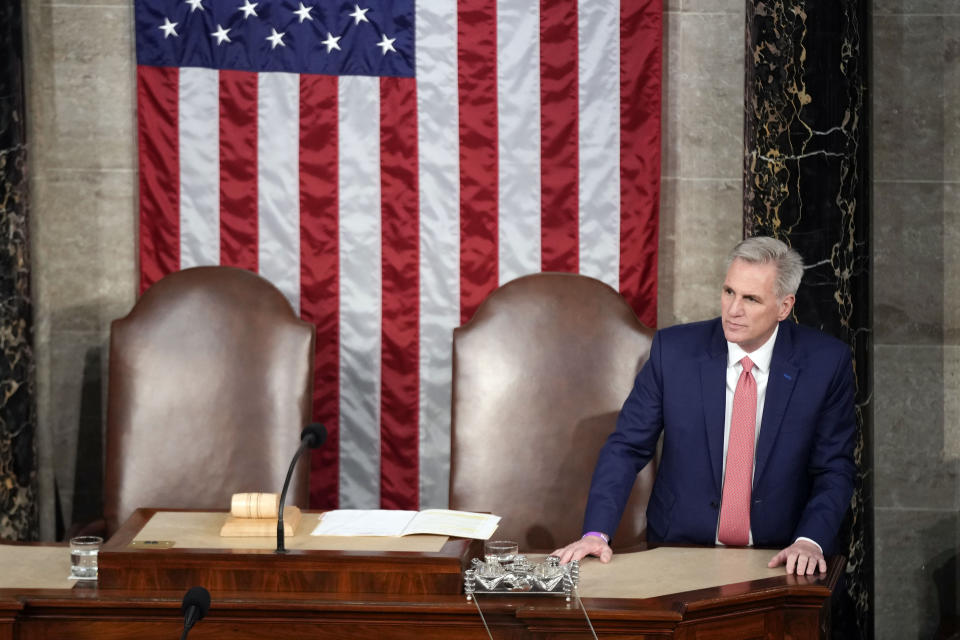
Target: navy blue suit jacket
[[804, 468]]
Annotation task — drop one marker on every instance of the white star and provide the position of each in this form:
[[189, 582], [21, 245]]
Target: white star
[[249, 9], [331, 42], [386, 44], [169, 28], [275, 38], [194, 5], [221, 34], [359, 15], [303, 13]]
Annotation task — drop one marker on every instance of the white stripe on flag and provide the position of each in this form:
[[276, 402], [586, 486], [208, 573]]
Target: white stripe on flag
[[518, 118], [437, 127], [599, 71], [360, 291], [278, 157], [199, 129]]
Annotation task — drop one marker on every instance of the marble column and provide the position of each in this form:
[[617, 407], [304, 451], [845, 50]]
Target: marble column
[[18, 455], [804, 182]]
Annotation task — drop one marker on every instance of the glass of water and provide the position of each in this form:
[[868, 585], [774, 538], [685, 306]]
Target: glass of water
[[501, 551], [83, 557]]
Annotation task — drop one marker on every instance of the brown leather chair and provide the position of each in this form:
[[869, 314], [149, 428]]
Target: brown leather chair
[[211, 376], [539, 375]]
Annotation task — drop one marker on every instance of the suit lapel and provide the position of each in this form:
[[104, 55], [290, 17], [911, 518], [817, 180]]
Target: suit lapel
[[780, 384], [713, 387]]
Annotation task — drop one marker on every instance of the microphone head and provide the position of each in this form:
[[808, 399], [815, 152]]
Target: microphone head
[[315, 434], [196, 597]]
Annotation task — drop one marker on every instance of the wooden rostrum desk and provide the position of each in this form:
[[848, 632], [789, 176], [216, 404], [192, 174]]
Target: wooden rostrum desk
[[412, 594]]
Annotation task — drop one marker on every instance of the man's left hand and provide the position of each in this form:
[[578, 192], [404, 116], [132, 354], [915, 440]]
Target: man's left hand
[[802, 557]]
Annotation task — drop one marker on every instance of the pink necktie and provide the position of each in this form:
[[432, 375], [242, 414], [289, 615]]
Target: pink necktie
[[735, 509]]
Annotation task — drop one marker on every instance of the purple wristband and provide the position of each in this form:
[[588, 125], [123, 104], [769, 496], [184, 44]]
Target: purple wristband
[[598, 534]]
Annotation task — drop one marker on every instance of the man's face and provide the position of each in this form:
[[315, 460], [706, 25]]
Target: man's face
[[749, 308]]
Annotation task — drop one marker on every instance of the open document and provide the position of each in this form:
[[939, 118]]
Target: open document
[[384, 522]]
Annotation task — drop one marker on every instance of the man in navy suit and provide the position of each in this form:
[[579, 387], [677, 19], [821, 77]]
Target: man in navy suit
[[798, 489]]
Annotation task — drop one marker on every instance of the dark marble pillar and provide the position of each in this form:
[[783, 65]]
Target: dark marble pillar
[[18, 452], [805, 182]]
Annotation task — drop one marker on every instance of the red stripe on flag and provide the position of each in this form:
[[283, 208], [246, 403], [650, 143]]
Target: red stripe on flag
[[640, 68], [158, 93], [477, 84], [559, 122], [400, 324], [320, 271], [238, 169]]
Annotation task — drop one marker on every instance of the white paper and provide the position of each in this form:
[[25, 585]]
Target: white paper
[[457, 524], [363, 522], [385, 522]]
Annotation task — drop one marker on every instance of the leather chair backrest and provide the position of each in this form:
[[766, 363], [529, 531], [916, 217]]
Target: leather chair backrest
[[210, 384], [539, 375]]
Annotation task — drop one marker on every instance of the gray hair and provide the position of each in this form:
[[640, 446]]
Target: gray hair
[[764, 249]]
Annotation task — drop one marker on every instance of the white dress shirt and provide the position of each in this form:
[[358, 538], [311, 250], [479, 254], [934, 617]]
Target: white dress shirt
[[761, 374]]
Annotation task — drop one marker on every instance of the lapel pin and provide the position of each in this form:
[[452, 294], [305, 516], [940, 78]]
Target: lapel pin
[[787, 376]]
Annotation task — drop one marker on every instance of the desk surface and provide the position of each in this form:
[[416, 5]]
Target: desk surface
[[667, 592], [643, 574], [35, 567]]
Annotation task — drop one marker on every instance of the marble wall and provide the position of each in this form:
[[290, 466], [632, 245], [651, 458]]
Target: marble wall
[[805, 182], [80, 98], [916, 312], [18, 453], [701, 201]]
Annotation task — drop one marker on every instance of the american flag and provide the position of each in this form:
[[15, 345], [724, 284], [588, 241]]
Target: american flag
[[388, 163]]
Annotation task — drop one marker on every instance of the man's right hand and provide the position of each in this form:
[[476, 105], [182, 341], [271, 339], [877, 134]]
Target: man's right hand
[[585, 546]]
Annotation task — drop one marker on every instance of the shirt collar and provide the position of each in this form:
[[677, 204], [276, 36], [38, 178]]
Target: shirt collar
[[760, 358]]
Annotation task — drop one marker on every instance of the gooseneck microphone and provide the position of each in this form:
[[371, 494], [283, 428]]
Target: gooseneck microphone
[[312, 436], [195, 605]]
